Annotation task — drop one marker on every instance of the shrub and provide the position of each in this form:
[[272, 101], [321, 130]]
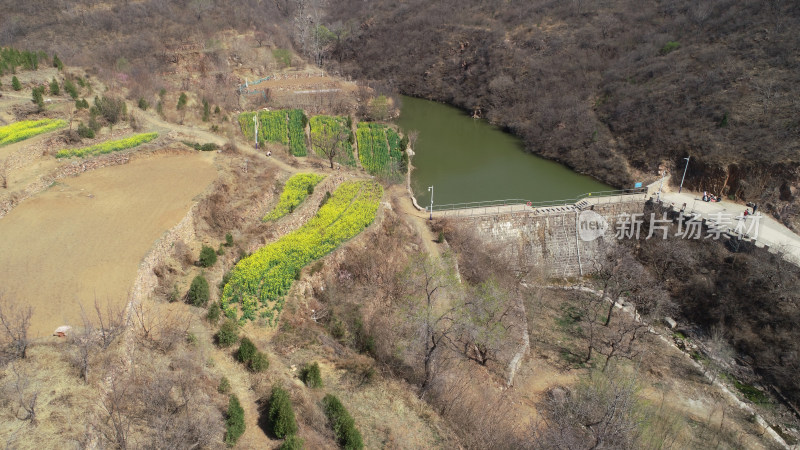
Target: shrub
[[292, 442], [206, 110], [724, 122], [37, 96], [85, 132], [311, 376], [69, 88], [54, 89], [208, 147], [82, 104], [174, 294], [111, 108], [234, 423], [224, 385], [207, 256], [143, 105], [93, 123], [198, 291], [281, 417], [182, 101], [670, 47], [260, 362], [15, 84], [228, 240], [342, 422], [246, 351], [213, 313], [282, 56], [57, 62], [228, 333], [216, 109]]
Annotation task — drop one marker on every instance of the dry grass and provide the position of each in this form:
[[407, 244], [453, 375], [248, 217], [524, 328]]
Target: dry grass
[[64, 406]]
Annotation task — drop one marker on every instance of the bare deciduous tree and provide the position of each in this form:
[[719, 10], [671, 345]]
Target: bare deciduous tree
[[117, 426], [618, 273], [26, 398], [160, 326], [431, 311], [598, 413], [95, 336], [483, 324], [329, 142], [14, 324]]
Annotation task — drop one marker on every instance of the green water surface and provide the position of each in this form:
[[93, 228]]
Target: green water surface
[[468, 160]]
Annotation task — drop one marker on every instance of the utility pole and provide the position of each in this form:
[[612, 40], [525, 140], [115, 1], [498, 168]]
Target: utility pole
[[255, 128], [684, 173], [430, 189]]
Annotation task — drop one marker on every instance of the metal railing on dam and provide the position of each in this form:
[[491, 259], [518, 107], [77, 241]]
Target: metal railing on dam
[[517, 205]]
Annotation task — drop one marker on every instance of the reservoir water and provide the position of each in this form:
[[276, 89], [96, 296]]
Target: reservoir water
[[468, 160]]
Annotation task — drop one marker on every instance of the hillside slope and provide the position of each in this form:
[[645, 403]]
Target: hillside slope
[[600, 85]]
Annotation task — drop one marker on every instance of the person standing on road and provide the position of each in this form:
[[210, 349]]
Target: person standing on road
[[755, 207]]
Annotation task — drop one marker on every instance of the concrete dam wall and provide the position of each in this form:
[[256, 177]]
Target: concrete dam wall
[[565, 241]]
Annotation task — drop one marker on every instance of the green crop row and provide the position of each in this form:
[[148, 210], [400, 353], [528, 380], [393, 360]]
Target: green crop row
[[285, 126], [395, 150], [25, 129], [294, 192], [334, 126], [108, 146], [373, 149], [297, 132], [246, 124], [260, 281], [271, 126]]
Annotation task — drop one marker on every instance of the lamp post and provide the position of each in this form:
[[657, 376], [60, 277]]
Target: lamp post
[[430, 189], [684, 173]]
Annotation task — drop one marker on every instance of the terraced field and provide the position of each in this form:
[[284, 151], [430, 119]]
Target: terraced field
[[84, 237], [258, 283], [25, 129], [108, 146], [297, 188], [283, 126], [379, 148]]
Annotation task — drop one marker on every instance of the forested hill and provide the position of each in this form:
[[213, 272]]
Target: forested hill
[[605, 86]]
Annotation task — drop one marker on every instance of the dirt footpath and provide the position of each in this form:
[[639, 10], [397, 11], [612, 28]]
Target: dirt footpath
[[84, 237]]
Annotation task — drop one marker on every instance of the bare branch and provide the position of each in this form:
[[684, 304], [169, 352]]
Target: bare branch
[[14, 324]]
